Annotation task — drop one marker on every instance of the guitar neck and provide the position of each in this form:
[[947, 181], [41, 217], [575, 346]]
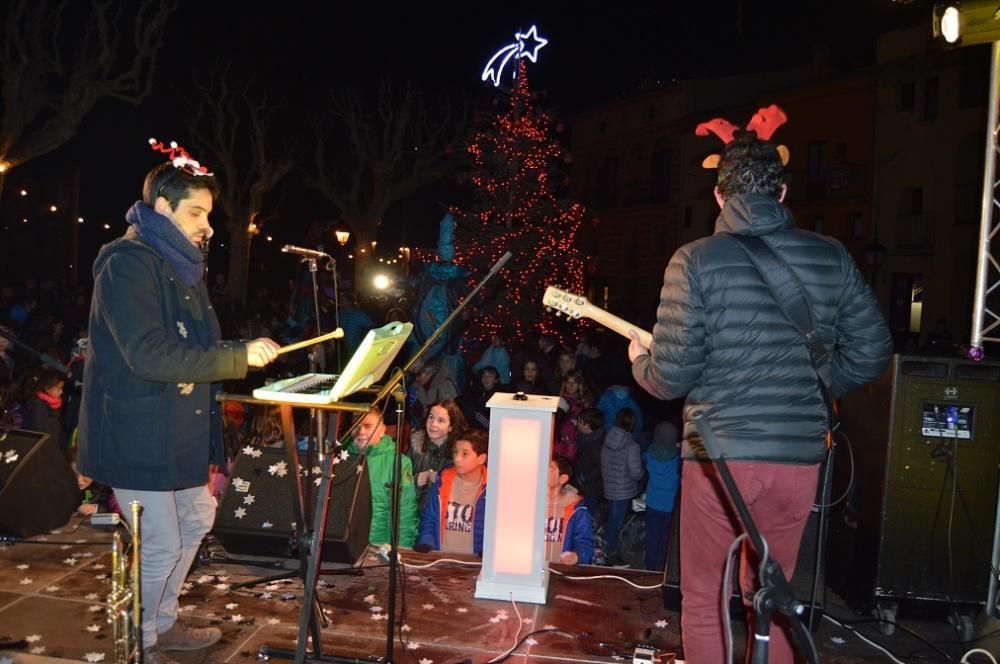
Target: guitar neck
[[617, 324]]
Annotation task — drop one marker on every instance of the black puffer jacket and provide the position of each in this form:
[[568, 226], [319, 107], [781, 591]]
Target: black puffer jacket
[[722, 340]]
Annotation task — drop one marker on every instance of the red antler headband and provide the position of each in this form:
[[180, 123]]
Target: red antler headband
[[763, 123], [179, 157]]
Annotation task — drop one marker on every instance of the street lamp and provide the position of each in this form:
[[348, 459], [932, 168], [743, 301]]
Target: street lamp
[[342, 237]]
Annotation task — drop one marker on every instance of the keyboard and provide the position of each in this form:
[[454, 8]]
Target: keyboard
[[310, 388]]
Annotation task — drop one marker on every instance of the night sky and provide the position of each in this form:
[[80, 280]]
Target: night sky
[[298, 54]]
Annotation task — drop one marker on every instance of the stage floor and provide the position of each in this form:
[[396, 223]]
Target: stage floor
[[52, 588]]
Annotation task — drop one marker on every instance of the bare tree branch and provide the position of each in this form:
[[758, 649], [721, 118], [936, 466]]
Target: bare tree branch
[[233, 129], [381, 157], [55, 69]]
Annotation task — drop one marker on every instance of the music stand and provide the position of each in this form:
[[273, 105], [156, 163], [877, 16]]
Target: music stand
[[367, 365], [322, 499]]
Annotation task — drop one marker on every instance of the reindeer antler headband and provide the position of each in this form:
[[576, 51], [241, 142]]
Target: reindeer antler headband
[[764, 123], [179, 157]]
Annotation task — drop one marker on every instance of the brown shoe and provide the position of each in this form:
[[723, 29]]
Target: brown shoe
[[183, 637], [153, 655]]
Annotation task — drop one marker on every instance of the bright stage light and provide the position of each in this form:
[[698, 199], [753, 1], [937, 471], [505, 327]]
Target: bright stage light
[[381, 281]]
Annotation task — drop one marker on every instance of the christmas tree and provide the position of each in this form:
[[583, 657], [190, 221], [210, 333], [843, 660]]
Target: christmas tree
[[516, 172]]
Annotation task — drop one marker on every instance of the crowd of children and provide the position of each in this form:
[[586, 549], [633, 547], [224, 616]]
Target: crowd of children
[[604, 456]]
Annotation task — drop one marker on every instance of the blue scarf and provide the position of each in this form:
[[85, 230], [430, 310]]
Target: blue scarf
[[169, 241]]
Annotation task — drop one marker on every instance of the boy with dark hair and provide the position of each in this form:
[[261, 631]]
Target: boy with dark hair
[[370, 439], [587, 476], [455, 512], [569, 532]]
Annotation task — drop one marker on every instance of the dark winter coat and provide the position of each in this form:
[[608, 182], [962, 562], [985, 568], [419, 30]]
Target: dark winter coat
[[148, 417], [621, 465], [722, 340], [587, 464]]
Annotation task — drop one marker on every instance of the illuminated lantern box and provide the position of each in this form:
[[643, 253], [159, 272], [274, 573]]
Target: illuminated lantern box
[[514, 564]]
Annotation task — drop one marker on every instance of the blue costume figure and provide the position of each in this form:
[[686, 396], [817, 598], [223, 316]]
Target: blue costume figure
[[439, 289]]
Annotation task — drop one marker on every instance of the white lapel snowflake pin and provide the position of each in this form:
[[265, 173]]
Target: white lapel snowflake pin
[[181, 329]]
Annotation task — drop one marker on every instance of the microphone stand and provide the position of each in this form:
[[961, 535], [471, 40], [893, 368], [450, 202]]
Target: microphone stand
[[44, 358], [775, 593], [306, 625]]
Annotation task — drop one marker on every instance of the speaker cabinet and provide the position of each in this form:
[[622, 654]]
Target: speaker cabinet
[[256, 515], [38, 488], [921, 504]]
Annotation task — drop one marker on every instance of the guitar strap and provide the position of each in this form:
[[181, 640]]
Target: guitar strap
[[788, 292]]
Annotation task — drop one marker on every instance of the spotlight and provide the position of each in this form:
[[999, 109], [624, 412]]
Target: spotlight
[[381, 281], [967, 23]]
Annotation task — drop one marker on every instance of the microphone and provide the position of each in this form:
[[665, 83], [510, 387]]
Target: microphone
[[302, 251]]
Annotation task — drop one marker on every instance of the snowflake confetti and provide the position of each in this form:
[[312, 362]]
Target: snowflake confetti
[[65, 547], [182, 330], [494, 620], [222, 586], [26, 581], [70, 561], [248, 500], [185, 388], [426, 661], [380, 616], [428, 607], [462, 609], [267, 524], [240, 513], [23, 566], [531, 642], [413, 645], [52, 589], [528, 621], [204, 578], [266, 595], [91, 596], [237, 618], [93, 628], [94, 608], [837, 640], [95, 656], [280, 469], [550, 626], [661, 623], [370, 599], [273, 621], [33, 638], [231, 605], [37, 650], [405, 628]]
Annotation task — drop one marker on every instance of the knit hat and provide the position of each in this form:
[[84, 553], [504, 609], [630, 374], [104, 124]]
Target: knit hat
[[664, 445]]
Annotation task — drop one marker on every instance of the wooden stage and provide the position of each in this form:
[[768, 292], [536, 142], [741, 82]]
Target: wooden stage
[[52, 588]]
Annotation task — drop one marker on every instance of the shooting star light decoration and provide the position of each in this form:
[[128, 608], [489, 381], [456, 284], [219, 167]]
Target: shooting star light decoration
[[527, 45]]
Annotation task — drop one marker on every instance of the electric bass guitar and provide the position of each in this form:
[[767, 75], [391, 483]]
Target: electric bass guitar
[[577, 306]]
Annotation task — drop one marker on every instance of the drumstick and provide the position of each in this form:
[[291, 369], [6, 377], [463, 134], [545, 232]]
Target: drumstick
[[336, 334]]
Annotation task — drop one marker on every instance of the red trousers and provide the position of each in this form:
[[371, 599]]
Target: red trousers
[[779, 497]]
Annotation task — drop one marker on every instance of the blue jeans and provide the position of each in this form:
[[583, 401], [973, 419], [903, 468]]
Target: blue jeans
[[616, 515], [173, 524], [657, 537]]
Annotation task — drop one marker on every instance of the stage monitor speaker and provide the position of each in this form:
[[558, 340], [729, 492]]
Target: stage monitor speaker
[[922, 506], [256, 515], [38, 488]]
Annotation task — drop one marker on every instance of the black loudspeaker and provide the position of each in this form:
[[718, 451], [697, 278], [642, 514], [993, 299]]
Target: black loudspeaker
[[38, 488], [921, 511], [256, 515]]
